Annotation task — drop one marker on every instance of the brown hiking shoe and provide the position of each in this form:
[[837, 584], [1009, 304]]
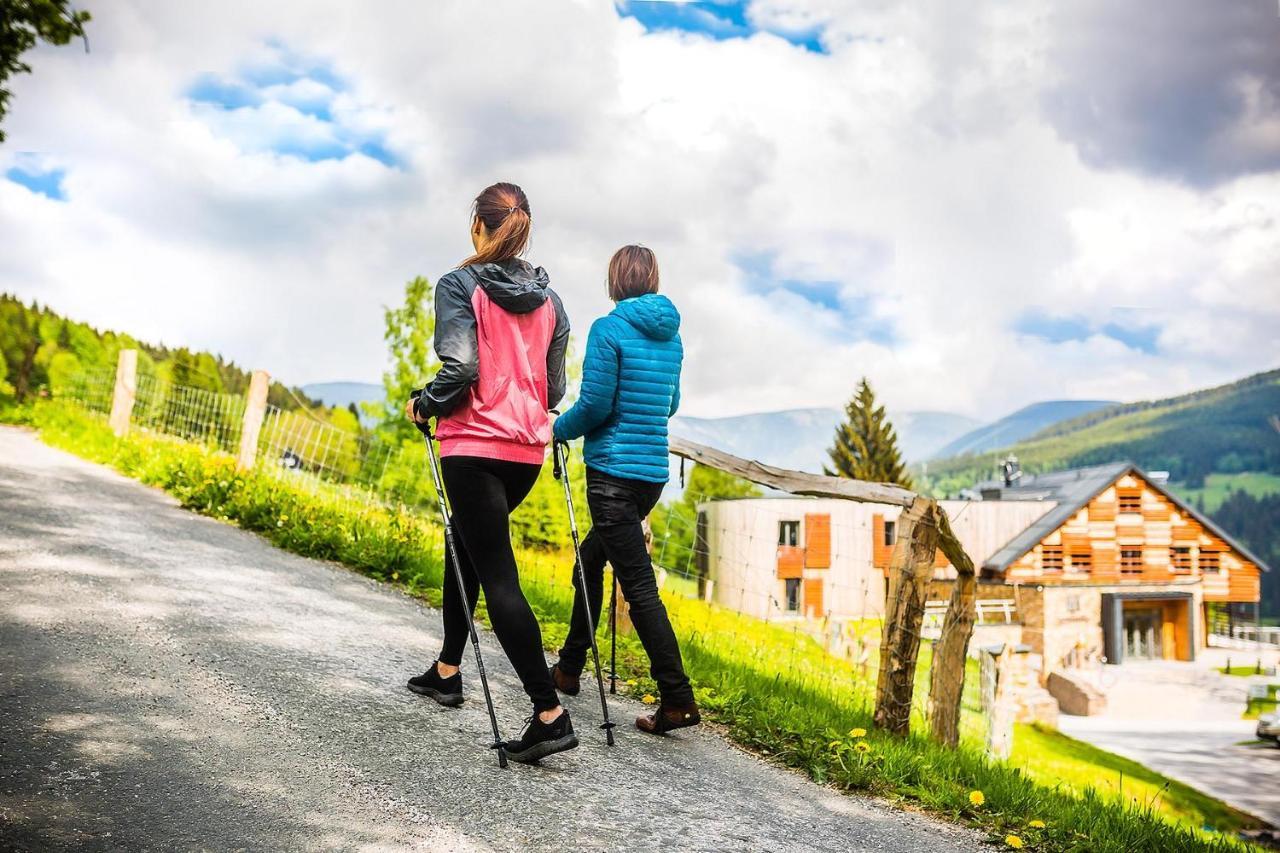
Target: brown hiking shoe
[[669, 717], [569, 685]]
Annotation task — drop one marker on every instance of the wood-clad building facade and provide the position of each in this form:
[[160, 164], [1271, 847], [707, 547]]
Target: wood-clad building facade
[[1104, 563]]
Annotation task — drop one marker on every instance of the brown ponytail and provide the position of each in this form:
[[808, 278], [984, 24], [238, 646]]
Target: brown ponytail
[[504, 210]]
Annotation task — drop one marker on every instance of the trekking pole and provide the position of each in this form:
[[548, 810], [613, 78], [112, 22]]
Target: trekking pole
[[613, 634], [561, 471], [452, 556]]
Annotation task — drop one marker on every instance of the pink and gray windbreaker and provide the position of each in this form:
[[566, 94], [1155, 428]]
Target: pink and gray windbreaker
[[501, 336]]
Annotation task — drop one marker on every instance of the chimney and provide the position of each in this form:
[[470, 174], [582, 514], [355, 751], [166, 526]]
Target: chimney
[[1012, 470]]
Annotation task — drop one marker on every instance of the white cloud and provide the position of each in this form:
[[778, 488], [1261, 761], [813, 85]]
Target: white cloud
[[912, 166]]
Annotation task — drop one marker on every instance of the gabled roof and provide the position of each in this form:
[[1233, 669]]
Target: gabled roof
[[1071, 490]]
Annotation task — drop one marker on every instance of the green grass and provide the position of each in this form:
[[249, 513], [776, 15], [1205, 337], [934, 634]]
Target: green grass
[[1218, 487], [1260, 705], [1246, 671], [1053, 758], [773, 688]]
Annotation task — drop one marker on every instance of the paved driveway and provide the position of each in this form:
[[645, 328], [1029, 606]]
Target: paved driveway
[[1184, 721]]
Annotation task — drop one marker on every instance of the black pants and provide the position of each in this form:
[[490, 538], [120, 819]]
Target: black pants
[[483, 494], [618, 506]]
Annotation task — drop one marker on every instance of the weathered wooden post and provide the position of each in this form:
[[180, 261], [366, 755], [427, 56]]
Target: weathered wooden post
[[126, 391], [946, 678], [254, 411], [910, 570]]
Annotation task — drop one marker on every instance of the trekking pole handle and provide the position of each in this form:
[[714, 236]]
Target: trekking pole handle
[[424, 427], [557, 464]]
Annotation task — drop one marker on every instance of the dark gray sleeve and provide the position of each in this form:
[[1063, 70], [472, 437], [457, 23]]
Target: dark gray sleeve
[[557, 379], [455, 347]]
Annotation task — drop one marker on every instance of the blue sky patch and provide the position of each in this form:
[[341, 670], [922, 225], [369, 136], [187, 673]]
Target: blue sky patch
[[716, 19], [855, 315], [307, 87], [45, 182], [1120, 325]]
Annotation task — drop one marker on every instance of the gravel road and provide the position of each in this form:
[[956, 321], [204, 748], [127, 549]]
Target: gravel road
[[170, 682]]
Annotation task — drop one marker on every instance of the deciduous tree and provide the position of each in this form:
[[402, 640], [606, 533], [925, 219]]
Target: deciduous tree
[[23, 23]]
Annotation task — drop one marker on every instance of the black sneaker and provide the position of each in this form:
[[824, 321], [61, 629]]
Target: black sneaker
[[542, 739], [446, 691]]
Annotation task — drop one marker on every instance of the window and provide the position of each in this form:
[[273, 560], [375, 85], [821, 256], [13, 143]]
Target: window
[[1073, 604], [792, 601], [789, 533], [1180, 559], [1051, 558], [890, 533], [1081, 561], [1130, 561], [1129, 501], [1209, 560]]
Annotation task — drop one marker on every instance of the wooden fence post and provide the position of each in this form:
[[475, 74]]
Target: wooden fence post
[[254, 411], [910, 570], [126, 391], [946, 677]]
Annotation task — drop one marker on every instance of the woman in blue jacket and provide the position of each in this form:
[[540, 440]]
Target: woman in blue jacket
[[630, 389]]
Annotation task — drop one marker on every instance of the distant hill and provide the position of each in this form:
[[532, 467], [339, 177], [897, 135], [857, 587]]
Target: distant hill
[[1023, 423], [343, 394], [799, 438], [41, 350], [1227, 429]]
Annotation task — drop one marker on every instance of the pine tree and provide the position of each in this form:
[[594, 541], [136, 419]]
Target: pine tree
[[866, 447]]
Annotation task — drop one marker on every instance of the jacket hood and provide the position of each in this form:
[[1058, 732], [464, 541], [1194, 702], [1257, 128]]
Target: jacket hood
[[653, 314], [516, 285]]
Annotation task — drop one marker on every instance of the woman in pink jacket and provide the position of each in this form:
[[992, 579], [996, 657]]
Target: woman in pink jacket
[[501, 335]]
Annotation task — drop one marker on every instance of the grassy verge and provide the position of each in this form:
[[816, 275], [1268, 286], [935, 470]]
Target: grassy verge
[[1051, 757], [1259, 705], [1247, 671], [774, 690]]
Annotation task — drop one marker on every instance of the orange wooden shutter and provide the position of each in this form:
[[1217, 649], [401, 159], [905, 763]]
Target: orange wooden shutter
[[817, 541], [880, 552], [790, 562], [813, 597]]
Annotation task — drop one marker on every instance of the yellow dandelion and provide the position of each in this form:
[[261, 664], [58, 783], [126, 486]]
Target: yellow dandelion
[[648, 699], [1036, 824], [1013, 841], [862, 746], [857, 732], [977, 798], [835, 744]]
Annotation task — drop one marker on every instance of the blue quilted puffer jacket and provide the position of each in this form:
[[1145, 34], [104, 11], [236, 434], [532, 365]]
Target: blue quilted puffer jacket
[[630, 388]]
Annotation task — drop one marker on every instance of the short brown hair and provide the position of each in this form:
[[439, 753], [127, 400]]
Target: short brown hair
[[633, 271]]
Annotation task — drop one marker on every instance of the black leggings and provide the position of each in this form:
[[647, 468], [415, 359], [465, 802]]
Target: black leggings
[[618, 509], [483, 494]]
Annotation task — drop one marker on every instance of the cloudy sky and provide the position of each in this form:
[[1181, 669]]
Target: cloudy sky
[[976, 205]]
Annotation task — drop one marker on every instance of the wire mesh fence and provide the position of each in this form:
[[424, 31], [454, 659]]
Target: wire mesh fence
[[720, 579], [295, 444]]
